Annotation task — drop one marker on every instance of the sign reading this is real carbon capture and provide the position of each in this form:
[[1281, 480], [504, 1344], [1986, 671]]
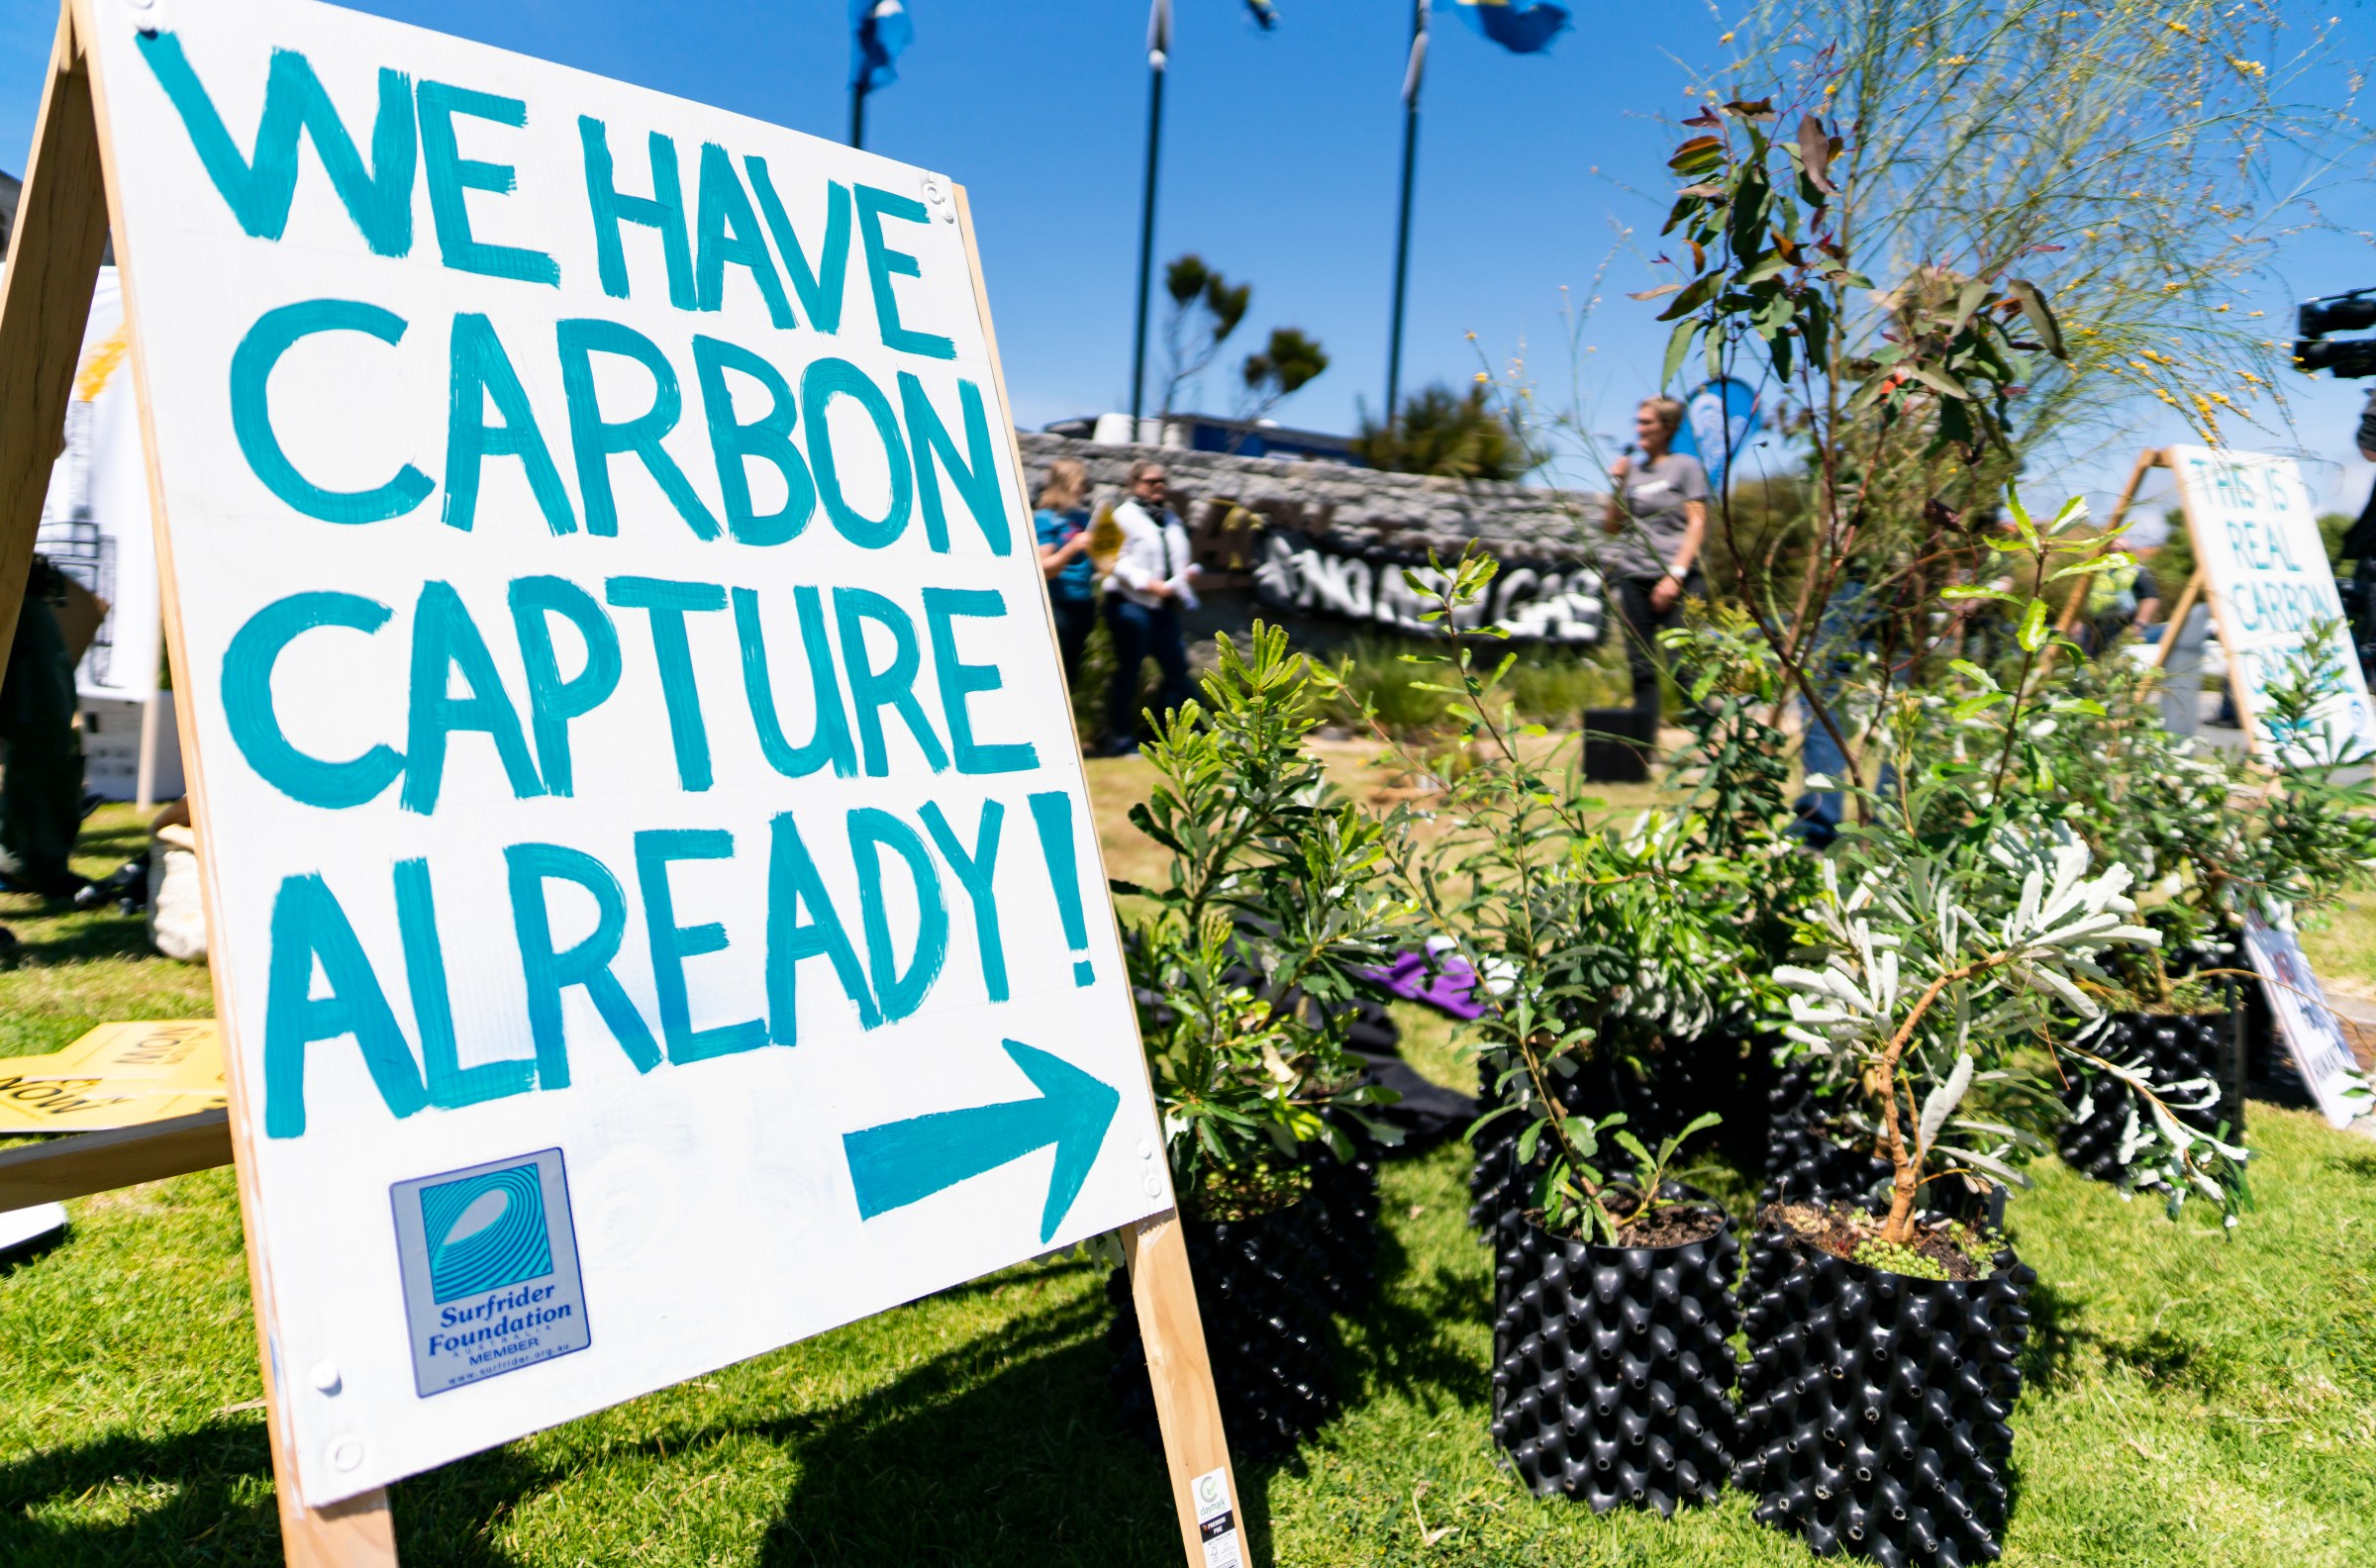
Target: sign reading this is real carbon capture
[[2265, 567], [653, 877]]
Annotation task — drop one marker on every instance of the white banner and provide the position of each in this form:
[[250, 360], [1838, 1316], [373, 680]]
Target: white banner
[[95, 524], [658, 911]]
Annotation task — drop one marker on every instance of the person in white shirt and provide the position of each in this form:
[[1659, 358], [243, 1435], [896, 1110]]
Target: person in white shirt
[[1144, 598]]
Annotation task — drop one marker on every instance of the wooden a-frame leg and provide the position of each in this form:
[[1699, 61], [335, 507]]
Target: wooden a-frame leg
[[1186, 1406], [45, 303], [61, 230]]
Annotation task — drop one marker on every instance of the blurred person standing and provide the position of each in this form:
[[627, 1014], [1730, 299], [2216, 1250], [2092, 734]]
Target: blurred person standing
[[41, 751], [1063, 524], [1144, 599], [1657, 514]]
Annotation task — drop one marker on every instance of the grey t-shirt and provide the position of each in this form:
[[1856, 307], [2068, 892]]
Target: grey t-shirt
[[1652, 495]]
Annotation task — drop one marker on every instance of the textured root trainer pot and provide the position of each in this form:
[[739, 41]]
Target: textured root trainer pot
[[2170, 1047], [1344, 1225], [1262, 1290], [1874, 1405], [1612, 1374], [1803, 1163]]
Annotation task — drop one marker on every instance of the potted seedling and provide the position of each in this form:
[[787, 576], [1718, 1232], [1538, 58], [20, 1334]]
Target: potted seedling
[[1275, 902], [1613, 1286]]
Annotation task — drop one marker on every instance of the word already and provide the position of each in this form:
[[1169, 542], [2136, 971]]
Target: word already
[[311, 933], [414, 128], [846, 684]]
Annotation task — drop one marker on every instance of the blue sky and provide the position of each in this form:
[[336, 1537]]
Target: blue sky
[[1281, 157]]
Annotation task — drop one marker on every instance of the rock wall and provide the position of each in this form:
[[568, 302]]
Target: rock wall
[[1352, 507]]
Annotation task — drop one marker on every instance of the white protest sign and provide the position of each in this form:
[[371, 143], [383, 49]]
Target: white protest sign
[[95, 524], [2264, 567], [2308, 1026], [657, 910]]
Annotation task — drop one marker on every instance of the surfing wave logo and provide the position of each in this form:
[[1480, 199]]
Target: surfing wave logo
[[486, 1231]]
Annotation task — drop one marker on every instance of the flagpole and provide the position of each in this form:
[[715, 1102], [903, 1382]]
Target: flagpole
[[1402, 238], [1157, 59], [857, 114]]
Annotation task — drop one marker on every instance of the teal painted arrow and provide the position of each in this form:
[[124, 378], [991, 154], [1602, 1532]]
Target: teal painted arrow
[[901, 1162]]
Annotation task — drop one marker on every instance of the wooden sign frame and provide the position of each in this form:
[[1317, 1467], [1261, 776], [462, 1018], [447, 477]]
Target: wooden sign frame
[[67, 210]]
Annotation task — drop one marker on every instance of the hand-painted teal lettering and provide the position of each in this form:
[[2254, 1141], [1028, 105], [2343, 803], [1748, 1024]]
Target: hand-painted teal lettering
[[672, 944], [480, 369], [792, 881], [450, 1084], [1051, 815], [726, 230], [663, 210], [550, 972], [898, 994], [884, 263], [975, 474], [820, 384], [820, 290], [829, 739], [894, 685], [595, 441], [260, 188], [308, 926], [668, 603], [976, 871], [960, 681], [768, 438], [248, 702], [450, 176], [553, 699], [252, 411], [445, 642]]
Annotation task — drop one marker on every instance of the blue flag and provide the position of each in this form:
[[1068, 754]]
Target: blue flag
[[878, 31], [1520, 29], [1720, 421]]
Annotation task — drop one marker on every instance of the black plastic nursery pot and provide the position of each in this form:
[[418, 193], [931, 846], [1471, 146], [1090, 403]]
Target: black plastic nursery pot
[[1805, 1161], [1612, 1368], [1659, 1094], [2171, 1047], [1262, 1289], [1874, 1405], [1344, 1224]]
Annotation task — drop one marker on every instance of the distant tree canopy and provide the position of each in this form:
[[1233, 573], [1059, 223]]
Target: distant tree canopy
[[1452, 435]]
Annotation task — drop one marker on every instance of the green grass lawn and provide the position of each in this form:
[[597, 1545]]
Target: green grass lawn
[[2192, 1399]]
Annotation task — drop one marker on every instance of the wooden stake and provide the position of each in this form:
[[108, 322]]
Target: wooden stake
[[358, 1533], [1162, 1290], [1187, 1408]]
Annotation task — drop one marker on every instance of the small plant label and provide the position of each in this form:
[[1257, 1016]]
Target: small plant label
[[1217, 1520], [2311, 1035], [646, 838]]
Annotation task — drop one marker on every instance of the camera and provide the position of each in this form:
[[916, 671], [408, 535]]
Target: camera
[[2349, 359]]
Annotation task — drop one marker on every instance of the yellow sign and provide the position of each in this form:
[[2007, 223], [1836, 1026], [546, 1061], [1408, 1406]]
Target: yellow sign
[[117, 1075]]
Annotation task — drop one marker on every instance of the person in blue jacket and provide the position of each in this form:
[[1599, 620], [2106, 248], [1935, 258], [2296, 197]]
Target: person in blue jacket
[[1062, 523]]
